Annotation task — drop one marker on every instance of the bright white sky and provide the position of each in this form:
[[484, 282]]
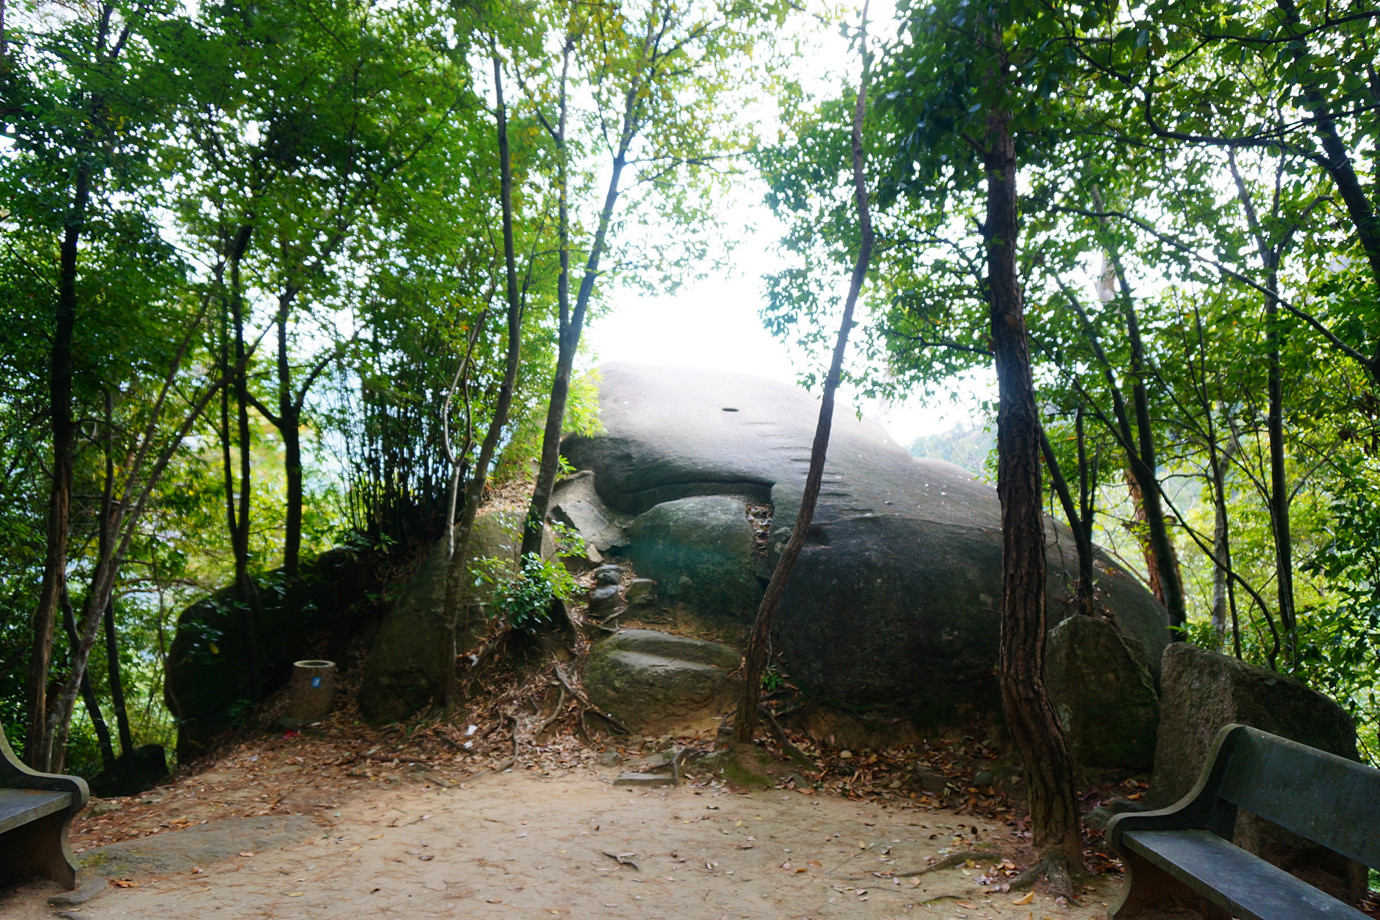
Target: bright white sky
[[715, 323]]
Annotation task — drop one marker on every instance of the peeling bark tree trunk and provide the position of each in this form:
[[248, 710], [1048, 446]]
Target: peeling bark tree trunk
[[1025, 700]]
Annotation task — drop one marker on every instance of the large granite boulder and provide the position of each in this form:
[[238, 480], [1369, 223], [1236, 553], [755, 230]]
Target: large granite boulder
[[894, 601], [659, 683], [1103, 694], [1201, 691], [407, 662]]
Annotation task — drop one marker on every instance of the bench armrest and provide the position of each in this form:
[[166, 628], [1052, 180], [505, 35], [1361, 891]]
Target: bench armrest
[[14, 774], [1200, 808]]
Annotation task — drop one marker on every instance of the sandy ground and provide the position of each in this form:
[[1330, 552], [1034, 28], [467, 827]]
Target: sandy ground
[[571, 844]]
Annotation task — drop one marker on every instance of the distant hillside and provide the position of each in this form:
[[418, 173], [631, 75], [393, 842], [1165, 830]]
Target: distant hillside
[[967, 447]]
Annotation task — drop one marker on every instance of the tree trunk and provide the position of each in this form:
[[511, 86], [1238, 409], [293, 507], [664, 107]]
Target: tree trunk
[[60, 719], [112, 644], [287, 422], [1278, 498], [755, 655], [63, 431], [1279, 480], [572, 326], [1223, 593], [1161, 558], [289, 428], [88, 694], [237, 481], [474, 494], [117, 682], [1082, 535], [1025, 700], [120, 515]]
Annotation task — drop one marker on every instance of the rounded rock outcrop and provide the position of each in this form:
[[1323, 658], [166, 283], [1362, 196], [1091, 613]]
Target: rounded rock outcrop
[[699, 550], [408, 660], [895, 599], [655, 682]]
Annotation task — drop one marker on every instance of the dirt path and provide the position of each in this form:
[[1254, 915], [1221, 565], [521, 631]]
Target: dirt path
[[571, 844]]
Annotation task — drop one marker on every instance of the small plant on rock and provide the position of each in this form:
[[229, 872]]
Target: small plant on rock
[[524, 600]]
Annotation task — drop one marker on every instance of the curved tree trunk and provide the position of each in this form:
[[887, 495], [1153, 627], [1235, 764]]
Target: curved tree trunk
[[474, 493], [572, 321], [755, 655]]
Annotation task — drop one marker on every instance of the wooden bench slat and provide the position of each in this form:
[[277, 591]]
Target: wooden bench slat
[[1240, 881], [20, 806], [1266, 774]]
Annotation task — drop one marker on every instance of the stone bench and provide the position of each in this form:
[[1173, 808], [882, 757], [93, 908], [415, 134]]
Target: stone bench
[[36, 810], [1182, 858]]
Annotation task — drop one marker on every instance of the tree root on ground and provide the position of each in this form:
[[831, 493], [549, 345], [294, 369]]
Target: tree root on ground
[[500, 767], [585, 702], [555, 713], [1053, 869], [958, 858], [1056, 871], [794, 753]]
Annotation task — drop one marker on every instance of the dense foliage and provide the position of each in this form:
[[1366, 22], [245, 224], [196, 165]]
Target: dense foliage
[[259, 273], [1201, 268], [244, 249]]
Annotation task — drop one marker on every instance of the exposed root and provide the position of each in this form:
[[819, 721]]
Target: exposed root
[[1053, 869], [555, 713], [393, 758], [512, 718], [862, 852], [585, 701], [573, 620], [779, 733], [957, 858], [500, 767]]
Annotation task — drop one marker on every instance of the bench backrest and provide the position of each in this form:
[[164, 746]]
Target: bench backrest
[[1328, 799]]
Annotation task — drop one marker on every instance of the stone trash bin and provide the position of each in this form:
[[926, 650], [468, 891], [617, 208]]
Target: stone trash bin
[[311, 690]]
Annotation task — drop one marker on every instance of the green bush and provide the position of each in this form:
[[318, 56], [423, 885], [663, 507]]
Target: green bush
[[524, 600]]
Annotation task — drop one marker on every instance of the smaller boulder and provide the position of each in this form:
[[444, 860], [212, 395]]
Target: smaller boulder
[[658, 683], [142, 768], [408, 661], [608, 574], [641, 591], [699, 550], [604, 599], [1203, 691], [1104, 697], [576, 504]]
